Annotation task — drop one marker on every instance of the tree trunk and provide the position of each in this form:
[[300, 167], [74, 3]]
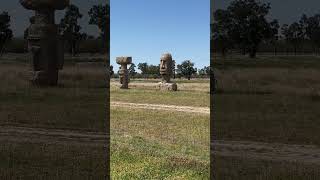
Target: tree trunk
[[253, 52], [223, 52], [243, 51]]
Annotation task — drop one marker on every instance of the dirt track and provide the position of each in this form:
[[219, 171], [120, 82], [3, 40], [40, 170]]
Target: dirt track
[[50, 136], [307, 154], [201, 110], [242, 149]]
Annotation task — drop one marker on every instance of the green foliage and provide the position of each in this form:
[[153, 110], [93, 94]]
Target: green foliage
[[244, 23], [132, 70], [149, 70], [5, 31], [100, 16], [186, 69], [205, 71], [143, 67], [311, 28], [293, 34], [111, 70], [70, 28]]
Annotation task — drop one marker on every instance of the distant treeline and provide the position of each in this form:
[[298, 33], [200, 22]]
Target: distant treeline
[[243, 28], [69, 29], [186, 69], [20, 45]]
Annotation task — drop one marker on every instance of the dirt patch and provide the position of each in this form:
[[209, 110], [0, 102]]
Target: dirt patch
[[51, 136], [307, 154], [162, 107], [268, 151]]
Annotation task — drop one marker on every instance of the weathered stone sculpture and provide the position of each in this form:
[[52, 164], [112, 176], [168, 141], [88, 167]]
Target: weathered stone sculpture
[[166, 73], [123, 71], [44, 40]]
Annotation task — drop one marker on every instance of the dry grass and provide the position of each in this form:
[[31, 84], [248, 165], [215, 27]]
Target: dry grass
[[273, 100], [154, 144], [79, 102], [158, 145]]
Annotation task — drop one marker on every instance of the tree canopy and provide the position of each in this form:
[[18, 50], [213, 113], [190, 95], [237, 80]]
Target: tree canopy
[[5, 31]]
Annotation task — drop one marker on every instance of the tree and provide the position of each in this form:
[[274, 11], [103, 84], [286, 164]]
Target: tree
[[153, 70], [245, 24], [220, 31], [5, 31], [311, 28], [205, 71], [132, 70], [100, 16], [174, 69], [293, 34], [143, 67], [111, 70], [70, 28], [187, 69], [272, 34]]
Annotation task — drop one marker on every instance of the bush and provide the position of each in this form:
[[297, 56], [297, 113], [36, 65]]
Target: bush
[[16, 46]]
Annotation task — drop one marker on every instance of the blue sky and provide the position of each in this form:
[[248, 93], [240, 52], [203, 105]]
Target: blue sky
[[144, 29]]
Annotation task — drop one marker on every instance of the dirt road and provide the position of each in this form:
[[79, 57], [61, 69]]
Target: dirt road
[[50, 136], [188, 109], [305, 154]]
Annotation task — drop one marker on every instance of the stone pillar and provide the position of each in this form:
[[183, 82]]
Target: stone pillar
[[44, 41], [123, 71], [166, 73]]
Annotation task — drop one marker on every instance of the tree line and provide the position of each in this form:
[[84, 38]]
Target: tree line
[[186, 69], [69, 29], [244, 27]]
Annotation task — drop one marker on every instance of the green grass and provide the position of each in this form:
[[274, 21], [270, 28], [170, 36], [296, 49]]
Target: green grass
[[51, 161], [78, 103], [182, 98], [145, 144], [268, 99], [272, 105], [159, 145]]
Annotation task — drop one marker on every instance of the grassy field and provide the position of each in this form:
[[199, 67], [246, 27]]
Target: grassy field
[[268, 99], [153, 144], [228, 168], [145, 144], [51, 161], [78, 103]]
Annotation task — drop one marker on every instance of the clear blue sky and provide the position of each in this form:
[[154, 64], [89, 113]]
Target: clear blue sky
[[144, 29]]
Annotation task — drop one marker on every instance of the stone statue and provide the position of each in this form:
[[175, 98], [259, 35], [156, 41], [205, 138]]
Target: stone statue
[[44, 41], [166, 67], [166, 64], [123, 71]]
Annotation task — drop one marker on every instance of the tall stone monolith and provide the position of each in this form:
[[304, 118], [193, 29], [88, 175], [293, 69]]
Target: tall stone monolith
[[123, 71], [44, 41]]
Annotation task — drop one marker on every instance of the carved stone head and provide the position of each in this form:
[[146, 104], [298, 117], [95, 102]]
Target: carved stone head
[[166, 67]]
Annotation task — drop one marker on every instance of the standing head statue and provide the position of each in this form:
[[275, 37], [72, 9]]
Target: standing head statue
[[44, 42], [166, 67]]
